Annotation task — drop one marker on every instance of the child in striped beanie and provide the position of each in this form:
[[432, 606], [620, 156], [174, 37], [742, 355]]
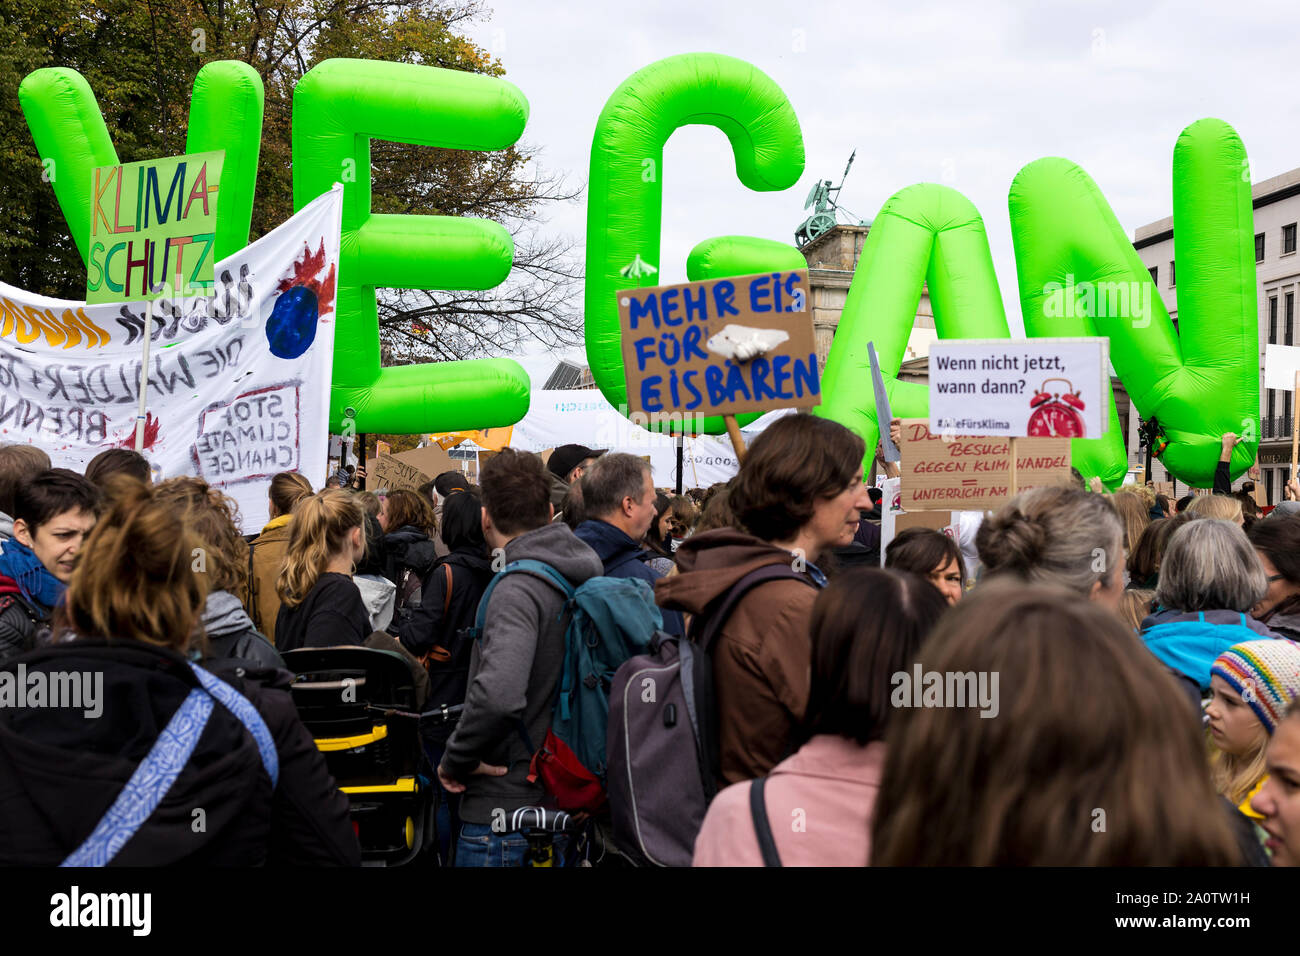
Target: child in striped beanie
[[1253, 684]]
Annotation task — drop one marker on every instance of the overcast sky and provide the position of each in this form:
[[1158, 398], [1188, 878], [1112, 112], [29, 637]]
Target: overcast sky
[[963, 94]]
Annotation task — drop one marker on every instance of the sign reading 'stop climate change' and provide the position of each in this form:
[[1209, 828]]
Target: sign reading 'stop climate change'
[[741, 344], [153, 222]]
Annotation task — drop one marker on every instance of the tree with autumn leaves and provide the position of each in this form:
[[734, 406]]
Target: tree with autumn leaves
[[140, 58]]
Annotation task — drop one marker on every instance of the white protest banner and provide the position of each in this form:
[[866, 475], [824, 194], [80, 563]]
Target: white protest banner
[[563, 416], [1281, 367], [1044, 388], [891, 506], [239, 379]]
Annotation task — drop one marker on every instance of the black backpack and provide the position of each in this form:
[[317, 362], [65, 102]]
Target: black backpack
[[662, 745]]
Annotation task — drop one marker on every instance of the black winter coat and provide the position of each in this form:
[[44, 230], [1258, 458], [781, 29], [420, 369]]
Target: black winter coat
[[331, 614], [408, 549], [61, 770], [21, 624], [423, 626]]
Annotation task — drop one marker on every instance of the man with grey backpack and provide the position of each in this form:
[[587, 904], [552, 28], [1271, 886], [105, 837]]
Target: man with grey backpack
[[725, 705]]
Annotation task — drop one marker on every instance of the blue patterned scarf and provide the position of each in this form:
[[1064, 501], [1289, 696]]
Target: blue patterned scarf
[[37, 584]]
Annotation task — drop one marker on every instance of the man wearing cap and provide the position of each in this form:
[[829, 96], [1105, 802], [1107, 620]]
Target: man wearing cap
[[567, 464]]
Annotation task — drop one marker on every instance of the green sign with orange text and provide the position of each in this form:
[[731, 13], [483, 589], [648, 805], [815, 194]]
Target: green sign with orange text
[[153, 223]]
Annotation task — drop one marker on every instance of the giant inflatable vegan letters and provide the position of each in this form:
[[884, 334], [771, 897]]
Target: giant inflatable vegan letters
[[338, 107], [1080, 275], [70, 134], [625, 197], [1078, 272]]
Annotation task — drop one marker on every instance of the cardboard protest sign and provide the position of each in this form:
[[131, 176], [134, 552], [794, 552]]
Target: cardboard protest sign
[[153, 222], [1041, 388], [408, 469], [968, 473], [391, 473], [431, 459], [741, 344]]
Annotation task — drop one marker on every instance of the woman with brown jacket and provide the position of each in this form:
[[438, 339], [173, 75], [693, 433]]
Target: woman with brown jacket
[[798, 495], [266, 551]]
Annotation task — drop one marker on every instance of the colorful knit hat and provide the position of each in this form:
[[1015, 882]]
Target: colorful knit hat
[[1265, 673]]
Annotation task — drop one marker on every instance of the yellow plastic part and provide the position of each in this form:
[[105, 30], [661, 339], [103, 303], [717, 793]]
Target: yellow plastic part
[[328, 744], [402, 785]]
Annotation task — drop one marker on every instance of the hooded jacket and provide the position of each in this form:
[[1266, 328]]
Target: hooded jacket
[[763, 653], [231, 633], [513, 675], [380, 598], [1284, 619], [624, 558], [22, 621], [1189, 641], [266, 558], [60, 770], [559, 490], [411, 549]]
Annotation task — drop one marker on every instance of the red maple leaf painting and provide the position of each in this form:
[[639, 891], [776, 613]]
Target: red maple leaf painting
[[151, 426], [306, 274]]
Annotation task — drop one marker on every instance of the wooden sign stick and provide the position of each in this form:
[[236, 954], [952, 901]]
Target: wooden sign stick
[[1012, 489], [1295, 426], [737, 441]]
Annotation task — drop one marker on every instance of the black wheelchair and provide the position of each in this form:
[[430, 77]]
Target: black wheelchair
[[359, 704]]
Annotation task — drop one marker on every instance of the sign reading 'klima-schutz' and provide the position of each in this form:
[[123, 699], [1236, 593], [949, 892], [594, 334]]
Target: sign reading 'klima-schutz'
[[153, 223], [1043, 388], [741, 344]]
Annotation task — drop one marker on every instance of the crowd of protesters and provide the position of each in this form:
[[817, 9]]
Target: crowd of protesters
[[1140, 652]]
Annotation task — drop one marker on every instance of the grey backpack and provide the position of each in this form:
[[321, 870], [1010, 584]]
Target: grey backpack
[[662, 737]]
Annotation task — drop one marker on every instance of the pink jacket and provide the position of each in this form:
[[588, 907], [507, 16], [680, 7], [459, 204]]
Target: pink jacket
[[819, 805]]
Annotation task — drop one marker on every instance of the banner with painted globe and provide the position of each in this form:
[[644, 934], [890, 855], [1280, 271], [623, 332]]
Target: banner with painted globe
[[239, 377]]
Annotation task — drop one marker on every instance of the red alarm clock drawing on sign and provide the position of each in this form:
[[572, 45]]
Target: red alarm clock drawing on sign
[[1056, 414]]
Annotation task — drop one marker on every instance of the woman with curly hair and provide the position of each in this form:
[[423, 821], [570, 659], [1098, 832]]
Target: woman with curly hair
[[223, 561]]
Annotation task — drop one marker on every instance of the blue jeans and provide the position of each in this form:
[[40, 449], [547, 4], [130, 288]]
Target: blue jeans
[[480, 846]]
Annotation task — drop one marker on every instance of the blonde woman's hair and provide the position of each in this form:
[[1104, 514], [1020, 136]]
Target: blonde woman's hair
[[214, 518], [134, 578], [1135, 514], [1135, 605], [1221, 507], [1235, 775], [319, 530], [287, 489]]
